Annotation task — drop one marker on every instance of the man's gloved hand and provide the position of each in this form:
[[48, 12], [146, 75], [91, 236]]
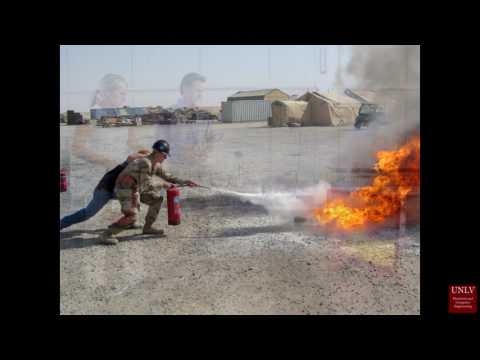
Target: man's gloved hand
[[190, 183]]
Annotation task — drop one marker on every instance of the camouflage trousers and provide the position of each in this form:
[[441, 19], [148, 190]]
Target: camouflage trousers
[[130, 206]]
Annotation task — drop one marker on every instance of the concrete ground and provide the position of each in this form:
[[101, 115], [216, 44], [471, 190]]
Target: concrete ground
[[230, 256]]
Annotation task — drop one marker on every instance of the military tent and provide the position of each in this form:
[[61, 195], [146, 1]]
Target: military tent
[[285, 111], [329, 109]]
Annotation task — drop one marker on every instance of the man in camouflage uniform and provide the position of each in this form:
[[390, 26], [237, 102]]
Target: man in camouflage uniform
[[135, 185]]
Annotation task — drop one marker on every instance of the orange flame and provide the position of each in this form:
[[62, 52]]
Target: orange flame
[[398, 173]]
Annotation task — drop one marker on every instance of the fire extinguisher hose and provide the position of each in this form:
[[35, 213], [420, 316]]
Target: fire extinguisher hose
[[200, 186]]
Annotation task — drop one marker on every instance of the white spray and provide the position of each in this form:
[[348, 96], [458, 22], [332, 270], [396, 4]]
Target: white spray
[[285, 204]]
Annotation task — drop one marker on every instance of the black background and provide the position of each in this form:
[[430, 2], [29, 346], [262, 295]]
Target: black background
[[449, 149]]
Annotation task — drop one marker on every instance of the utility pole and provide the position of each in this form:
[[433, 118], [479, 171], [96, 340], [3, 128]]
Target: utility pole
[[339, 63], [200, 60], [67, 71], [314, 63], [132, 84], [339, 48], [269, 65], [407, 49], [323, 60]]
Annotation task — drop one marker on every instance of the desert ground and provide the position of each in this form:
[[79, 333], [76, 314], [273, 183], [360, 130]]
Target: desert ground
[[229, 255]]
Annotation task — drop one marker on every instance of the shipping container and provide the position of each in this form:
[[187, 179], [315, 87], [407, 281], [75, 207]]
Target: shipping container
[[246, 110]]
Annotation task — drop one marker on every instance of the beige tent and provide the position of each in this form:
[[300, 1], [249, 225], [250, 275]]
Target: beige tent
[[329, 109], [284, 111]]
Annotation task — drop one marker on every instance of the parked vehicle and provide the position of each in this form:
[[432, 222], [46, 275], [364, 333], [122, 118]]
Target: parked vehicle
[[106, 121], [294, 124], [368, 114]]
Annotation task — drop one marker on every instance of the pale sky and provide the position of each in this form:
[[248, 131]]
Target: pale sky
[[154, 72]]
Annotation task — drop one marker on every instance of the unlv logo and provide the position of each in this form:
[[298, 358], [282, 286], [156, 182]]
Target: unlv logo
[[463, 289], [462, 299]]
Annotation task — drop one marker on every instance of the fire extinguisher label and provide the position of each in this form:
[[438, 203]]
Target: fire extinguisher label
[[176, 200]]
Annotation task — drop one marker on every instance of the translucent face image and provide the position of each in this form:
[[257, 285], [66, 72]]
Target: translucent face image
[[193, 94], [116, 97]]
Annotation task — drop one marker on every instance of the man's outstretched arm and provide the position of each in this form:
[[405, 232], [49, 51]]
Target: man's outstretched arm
[[159, 171]]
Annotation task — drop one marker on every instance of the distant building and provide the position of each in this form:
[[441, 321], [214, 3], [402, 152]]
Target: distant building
[[255, 105], [266, 95]]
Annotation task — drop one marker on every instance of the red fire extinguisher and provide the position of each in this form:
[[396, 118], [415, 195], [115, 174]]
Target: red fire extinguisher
[[173, 204], [63, 180]]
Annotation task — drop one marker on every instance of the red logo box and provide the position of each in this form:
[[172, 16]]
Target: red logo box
[[462, 299]]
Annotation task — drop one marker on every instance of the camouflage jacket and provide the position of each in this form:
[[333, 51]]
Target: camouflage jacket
[[139, 176]]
